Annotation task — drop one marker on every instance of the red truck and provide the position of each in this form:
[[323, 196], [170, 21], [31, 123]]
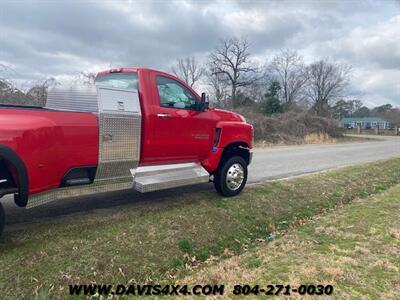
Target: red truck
[[135, 128]]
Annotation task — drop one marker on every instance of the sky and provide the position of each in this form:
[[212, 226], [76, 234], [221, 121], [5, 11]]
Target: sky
[[42, 39]]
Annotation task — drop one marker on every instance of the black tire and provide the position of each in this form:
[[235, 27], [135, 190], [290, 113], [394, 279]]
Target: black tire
[[2, 219], [221, 184]]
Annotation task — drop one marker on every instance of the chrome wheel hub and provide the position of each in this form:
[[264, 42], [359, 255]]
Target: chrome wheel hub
[[235, 177]]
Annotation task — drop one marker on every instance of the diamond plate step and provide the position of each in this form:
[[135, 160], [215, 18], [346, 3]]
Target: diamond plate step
[[116, 184], [148, 179]]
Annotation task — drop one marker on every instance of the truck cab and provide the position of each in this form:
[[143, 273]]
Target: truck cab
[[136, 128]]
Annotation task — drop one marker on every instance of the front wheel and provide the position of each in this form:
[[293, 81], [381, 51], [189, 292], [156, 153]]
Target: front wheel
[[231, 177]]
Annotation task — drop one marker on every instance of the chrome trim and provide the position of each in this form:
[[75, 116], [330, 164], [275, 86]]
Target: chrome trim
[[164, 116], [67, 192], [148, 179], [158, 169], [234, 176]]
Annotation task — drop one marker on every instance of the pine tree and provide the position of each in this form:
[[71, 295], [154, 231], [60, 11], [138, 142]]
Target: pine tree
[[271, 103]]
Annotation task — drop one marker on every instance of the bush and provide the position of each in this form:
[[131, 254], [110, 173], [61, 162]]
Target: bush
[[290, 127]]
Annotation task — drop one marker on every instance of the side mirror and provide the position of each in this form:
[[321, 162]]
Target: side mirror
[[203, 97], [204, 103]]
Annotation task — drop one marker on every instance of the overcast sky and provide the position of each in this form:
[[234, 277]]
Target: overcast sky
[[40, 39]]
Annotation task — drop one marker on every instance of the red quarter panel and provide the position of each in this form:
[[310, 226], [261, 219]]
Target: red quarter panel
[[50, 142]]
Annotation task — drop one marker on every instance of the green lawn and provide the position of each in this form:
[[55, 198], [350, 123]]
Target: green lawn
[[356, 249], [154, 243]]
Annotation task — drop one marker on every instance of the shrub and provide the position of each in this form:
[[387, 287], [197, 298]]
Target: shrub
[[289, 127]]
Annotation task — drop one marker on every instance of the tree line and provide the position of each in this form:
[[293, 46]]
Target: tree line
[[355, 108], [285, 82]]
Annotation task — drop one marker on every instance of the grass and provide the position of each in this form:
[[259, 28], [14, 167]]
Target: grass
[[356, 249], [185, 246], [157, 242]]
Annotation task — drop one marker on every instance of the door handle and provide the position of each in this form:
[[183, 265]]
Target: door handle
[[164, 116]]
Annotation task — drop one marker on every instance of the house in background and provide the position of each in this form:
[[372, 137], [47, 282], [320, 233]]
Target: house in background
[[365, 123]]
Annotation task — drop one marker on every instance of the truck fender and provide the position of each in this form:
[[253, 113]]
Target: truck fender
[[21, 198], [235, 132], [219, 155], [233, 138]]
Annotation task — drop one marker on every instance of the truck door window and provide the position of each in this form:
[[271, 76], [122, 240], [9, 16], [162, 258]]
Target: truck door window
[[118, 80], [174, 95]]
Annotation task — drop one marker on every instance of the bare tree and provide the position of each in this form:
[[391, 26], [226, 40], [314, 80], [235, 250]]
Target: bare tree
[[85, 78], [256, 90], [9, 93], [326, 82], [288, 67], [392, 116], [38, 92], [189, 70], [4, 69], [231, 60], [219, 89], [35, 94]]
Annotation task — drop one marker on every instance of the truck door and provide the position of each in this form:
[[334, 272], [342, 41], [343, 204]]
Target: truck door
[[180, 132]]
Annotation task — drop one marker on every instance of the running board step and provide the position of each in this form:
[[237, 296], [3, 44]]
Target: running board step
[[154, 178]]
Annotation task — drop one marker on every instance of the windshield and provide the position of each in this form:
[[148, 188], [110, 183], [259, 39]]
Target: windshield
[[118, 80]]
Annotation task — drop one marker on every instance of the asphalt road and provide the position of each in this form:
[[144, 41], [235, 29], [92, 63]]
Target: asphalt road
[[268, 164], [282, 162]]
